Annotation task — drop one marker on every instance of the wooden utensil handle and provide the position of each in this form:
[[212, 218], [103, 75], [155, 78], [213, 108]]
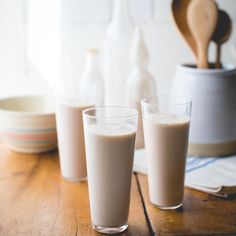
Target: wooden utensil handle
[[202, 61], [218, 56]]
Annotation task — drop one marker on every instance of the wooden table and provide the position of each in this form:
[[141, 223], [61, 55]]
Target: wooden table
[[35, 200]]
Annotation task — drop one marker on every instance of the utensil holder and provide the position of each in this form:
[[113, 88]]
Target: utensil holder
[[213, 95]]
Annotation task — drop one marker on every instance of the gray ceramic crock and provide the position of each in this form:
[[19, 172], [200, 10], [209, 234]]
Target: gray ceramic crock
[[213, 120]]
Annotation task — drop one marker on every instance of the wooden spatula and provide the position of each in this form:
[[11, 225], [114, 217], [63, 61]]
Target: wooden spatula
[[179, 14], [202, 18]]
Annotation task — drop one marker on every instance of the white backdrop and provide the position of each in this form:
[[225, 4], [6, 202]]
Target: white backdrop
[[30, 42]]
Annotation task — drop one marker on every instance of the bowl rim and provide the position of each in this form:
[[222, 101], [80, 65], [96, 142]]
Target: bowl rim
[[26, 113]]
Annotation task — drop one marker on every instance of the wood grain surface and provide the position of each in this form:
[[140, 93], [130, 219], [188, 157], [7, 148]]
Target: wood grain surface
[[35, 200], [201, 214]]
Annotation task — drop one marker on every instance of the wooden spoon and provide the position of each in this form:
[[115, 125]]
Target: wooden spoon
[[179, 15], [202, 16], [222, 33]]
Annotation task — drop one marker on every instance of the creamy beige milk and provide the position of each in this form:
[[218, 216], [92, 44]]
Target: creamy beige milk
[[166, 143], [71, 141], [109, 153]]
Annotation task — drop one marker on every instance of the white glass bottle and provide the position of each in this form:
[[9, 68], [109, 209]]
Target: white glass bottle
[[92, 75], [116, 51], [140, 83]]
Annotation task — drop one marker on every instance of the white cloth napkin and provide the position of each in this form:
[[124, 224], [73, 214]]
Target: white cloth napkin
[[214, 175]]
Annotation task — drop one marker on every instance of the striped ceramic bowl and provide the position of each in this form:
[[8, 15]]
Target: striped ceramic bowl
[[27, 124]]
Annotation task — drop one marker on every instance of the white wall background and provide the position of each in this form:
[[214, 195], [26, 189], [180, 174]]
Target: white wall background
[[29, 40]]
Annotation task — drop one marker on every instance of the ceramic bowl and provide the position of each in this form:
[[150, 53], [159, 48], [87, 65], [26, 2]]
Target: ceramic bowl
[[27, 124]]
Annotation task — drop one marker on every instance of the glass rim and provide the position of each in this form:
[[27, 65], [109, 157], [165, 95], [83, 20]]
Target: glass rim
[[184, 100], [133, 114]]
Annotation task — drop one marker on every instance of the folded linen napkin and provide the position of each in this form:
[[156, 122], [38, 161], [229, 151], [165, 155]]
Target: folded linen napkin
[[214, 175]]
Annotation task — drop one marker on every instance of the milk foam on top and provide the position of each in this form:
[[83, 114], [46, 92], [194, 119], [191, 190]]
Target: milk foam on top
[[110, 129], [167, 119]]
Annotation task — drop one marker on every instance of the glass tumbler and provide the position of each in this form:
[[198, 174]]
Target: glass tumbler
[[109, 142], [72, 99], [166, 122]]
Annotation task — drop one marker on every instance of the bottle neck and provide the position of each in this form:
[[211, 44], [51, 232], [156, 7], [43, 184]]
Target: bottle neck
[[139, 69], [120, 20], [91, 62], [139, 52], [121, 12]]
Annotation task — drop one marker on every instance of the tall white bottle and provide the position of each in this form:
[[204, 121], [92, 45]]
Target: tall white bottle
[[116, 51], [140, 83], [92, 74]]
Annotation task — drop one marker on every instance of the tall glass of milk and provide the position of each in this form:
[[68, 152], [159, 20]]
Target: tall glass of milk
[[72, 99], [166, 123], [109, 142]]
